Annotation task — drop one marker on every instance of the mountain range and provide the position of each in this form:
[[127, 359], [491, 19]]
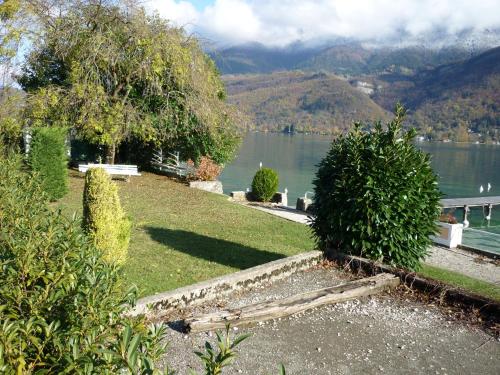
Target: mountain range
[[450, 92], [460, 94], [298, 101], [346, 59]]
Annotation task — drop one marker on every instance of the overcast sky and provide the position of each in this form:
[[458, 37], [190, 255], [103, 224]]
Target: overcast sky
[[280, 22]]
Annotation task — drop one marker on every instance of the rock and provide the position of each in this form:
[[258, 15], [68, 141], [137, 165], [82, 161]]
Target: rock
[[280, 198], [239, 196], [303, 204], [211, 186]]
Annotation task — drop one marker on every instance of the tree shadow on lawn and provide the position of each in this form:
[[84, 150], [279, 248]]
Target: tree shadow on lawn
[[224, 252]]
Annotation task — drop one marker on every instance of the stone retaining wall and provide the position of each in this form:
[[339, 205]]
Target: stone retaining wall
[[211, 289]]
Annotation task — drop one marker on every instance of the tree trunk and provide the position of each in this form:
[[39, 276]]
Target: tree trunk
[[110, 154], [264, 311]]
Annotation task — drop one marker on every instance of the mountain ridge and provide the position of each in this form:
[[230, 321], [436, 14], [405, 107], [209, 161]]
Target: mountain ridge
[[458, 97], [343, 58]]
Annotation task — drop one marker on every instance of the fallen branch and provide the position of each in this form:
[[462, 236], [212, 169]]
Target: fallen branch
[[291, 305]]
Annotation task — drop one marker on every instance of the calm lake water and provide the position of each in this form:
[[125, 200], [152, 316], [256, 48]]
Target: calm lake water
[[462, 168]]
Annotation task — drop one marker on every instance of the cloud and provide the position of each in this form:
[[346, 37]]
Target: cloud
[[280, 22], [181, 13], [231, 21]]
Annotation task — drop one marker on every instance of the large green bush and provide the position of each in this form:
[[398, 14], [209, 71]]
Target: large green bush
[[61, 308], [265, 184], [48, 157], [103, 218], [376, 196]]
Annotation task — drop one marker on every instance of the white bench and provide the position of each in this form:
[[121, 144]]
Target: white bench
[[112, 169]]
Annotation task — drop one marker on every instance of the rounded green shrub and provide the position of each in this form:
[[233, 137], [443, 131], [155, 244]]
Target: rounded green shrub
[[48, 158], [103, 218], [265, 184], [376, 196]]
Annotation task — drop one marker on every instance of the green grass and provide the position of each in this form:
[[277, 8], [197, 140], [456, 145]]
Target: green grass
[[181, 236], [461, 281]]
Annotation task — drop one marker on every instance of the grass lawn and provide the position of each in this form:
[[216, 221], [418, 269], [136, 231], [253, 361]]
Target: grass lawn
[[181, 235], [461, 281]]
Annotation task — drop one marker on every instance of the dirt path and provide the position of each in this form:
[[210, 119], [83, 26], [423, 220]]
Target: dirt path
[[383, 334]]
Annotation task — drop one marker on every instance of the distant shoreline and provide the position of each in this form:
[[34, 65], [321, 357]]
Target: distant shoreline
[[331, 135]]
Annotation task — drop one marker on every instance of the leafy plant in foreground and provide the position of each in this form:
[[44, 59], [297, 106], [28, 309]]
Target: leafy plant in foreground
[[376, 196], [62, 307], [216, 361]]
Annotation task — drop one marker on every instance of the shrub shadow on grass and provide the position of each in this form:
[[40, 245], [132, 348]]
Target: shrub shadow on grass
[[224, 252]]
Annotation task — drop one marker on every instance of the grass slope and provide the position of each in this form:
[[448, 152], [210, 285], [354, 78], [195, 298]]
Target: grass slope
[[458, 280], [181, 236]]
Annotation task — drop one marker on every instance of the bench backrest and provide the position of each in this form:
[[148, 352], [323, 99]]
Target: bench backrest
[[111, 168]]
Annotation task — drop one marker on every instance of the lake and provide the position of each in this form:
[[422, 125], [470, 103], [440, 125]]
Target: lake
[[462, 168]]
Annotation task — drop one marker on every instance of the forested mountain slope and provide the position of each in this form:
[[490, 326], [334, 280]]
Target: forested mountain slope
[[345, 59], [457, 96], [298, 101]]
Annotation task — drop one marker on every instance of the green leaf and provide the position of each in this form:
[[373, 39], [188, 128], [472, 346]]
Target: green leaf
[[132, 349], [239, 339]]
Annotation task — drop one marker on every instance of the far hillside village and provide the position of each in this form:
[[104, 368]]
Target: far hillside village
[[205, 187]]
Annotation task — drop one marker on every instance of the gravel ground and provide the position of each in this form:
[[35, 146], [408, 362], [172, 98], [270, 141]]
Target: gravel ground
[[466, 263], [382, 334]]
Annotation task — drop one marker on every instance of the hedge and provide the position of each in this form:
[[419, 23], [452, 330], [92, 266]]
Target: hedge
[[48, 158]]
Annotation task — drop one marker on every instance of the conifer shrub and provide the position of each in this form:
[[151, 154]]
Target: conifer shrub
[[376, 196], [48, 158], [62, 307], [265, 184], [103, 218]]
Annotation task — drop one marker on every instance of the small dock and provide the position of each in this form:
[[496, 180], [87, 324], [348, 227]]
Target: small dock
[[470, 202], [467, 203]]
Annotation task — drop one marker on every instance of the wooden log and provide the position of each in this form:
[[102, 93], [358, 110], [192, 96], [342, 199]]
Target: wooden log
[[288, 306]]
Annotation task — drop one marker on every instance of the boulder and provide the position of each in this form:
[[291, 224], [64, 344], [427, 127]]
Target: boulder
[[239, 196], [211, 186], [280, 198], [303, 204]]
